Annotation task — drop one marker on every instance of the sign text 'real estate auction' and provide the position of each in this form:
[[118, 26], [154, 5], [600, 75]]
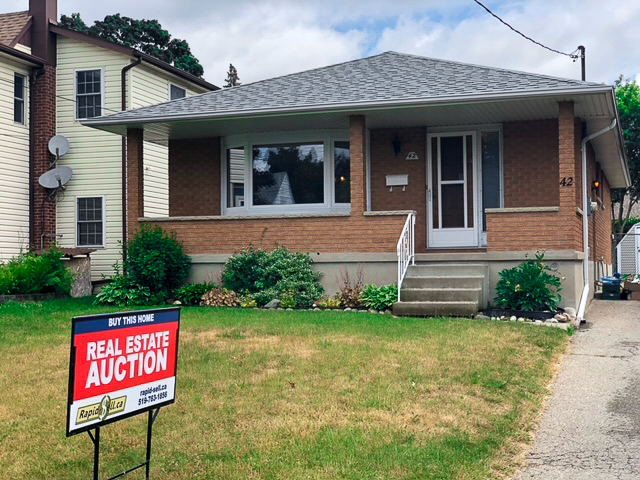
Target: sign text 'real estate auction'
[[121, 364]]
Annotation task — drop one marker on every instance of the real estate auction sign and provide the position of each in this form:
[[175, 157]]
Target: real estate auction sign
[[122, 364]]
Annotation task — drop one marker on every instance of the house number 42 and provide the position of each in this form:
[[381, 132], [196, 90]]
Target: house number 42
[[566, 181]]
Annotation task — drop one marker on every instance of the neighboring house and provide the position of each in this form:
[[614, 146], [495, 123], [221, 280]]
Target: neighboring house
[[488, 160], [15, 71], [81, 77]]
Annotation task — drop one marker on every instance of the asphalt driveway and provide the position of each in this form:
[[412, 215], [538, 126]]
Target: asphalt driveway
[[591, 428]]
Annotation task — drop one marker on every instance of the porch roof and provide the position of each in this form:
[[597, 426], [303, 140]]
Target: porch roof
[[392, 90]]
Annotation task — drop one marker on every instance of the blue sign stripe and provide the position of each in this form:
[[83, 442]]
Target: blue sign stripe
[[116, 321]]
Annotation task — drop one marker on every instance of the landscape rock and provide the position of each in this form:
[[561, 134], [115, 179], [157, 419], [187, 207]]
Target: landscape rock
[[177, 302], [570, 311], [388, 311], [521, 319], [513, 318], [275, 303], [482, 317], [348, 309]]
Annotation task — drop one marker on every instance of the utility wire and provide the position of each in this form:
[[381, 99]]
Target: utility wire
[[570, 55]]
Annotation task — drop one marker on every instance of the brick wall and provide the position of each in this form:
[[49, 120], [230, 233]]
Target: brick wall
[[385, 162], [43, 118], [530, 156], [600, 224], [355, 233], [194, 177], [525, 232], [329, 234], [358, 148]]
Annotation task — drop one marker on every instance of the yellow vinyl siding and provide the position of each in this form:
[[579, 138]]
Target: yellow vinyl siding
[[14, 165], [150, 86], [22, 48], [94, 156]]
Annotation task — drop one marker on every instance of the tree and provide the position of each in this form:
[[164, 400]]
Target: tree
[[147, 36], [628, 99], [232, 77]]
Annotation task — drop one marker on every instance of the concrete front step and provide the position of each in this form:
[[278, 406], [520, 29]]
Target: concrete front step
[[446, 269], [442, 295], [444, 281], [424, 309]]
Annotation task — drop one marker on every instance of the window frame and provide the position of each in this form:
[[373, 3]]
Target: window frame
[[326, 137], [104, 222], [173, 85], [23, 99], [75, 91]]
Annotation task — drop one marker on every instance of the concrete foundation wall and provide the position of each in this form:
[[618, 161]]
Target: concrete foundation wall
[[381, 269]]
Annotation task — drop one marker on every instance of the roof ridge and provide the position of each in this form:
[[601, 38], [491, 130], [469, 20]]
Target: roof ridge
[[499, 69], [315, 69]]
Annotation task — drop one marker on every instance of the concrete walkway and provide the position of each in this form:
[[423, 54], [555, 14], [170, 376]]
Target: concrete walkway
[[591, 429]]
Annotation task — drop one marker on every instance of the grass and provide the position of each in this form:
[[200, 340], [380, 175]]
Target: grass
[[290, 395]]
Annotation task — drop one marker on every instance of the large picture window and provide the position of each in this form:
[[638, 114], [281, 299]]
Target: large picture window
[[288, 174], [88, 93], [298, 175]]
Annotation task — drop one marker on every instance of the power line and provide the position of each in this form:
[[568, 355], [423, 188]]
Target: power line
[[570, 55]]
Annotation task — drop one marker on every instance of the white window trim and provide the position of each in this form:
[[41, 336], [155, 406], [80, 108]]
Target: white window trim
[[75, 90], [104, 221], [24, 98], [327, 137], [186, 92]]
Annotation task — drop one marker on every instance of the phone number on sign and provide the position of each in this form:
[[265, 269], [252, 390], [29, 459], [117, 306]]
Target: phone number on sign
[[152, 398]]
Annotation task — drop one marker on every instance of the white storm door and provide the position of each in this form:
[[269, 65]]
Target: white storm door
[[451, 191]]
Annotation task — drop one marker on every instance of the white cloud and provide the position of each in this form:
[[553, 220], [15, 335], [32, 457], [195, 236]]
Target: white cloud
[[274, 37]]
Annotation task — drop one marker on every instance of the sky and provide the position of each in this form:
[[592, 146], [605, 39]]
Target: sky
[[268, 38]]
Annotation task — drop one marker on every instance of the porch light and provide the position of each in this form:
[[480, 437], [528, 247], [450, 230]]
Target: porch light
[[595, 185], [343, 178], [397, 145]]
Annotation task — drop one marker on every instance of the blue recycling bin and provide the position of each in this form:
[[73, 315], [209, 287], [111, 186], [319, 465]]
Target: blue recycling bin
[[611, 288]]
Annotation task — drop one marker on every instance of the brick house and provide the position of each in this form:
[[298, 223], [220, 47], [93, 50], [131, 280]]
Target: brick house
[[52, 78], [488, 164]]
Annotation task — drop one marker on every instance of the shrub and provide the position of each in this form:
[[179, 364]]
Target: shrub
[[271, 275], [529, 286], [123, 292], [248, 301], [328, 302], [221, 297], [33, 273], [191, 294], [350, 291], [244, 271], [380, 298], [288, 299], [155, 260]]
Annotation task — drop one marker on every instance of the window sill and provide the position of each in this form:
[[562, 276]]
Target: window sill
[[523, 210], [241, 217]]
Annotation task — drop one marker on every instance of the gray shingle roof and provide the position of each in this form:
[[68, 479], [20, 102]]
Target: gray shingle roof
[[386, 78]]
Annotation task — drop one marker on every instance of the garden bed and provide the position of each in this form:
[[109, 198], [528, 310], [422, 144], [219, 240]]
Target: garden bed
[[535, 315]]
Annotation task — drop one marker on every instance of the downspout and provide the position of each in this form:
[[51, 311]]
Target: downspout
[[585, 221], [123, 90]]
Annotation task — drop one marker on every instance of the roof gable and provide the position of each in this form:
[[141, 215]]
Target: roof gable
[[385, 79], [11, 25]]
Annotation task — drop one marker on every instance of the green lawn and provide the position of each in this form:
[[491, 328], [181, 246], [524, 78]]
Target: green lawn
[[290, 395]]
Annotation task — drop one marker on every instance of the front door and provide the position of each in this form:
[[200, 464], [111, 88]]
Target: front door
[[451, 190]]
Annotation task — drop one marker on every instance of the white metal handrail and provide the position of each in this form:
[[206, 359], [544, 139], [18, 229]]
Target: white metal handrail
[[406, 249]]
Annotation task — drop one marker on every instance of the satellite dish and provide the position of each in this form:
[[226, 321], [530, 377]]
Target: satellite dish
[[58, 145], [56, 177]]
